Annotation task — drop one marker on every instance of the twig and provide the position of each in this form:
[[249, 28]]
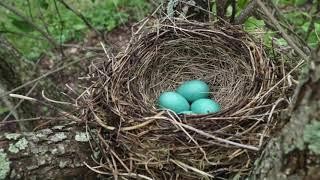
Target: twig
[[283, 33], [314, 17], [186, 166], [18, 13], [221, 8], [61, 27], [27, 35], [217, 138], [121, 174], [54, 101], [33, 119], [246, 12], [234, 10], [283, 78], [84, 19], [10, 105], [19, 103]]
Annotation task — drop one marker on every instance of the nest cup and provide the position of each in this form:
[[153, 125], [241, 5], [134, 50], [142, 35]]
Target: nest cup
[[142, 141]]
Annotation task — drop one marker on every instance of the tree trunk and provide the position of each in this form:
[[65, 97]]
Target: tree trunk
[[14, 72], [295, 153], [55, 153]]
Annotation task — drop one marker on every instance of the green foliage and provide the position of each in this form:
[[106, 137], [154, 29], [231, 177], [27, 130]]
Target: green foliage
[[61, 23], [299, 22], [3, 109], [253, 24]]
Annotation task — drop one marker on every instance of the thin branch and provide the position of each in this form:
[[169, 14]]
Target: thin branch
[[26, 19], [84, 19], [246, 12], [283, 33], [12, 111], [234, 10], [221, 8], [314, 17], [22, 35], [61, 26], [41, 77]]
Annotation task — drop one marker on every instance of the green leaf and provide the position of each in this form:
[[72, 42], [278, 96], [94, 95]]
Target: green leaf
[[253, 23], [281, 42], [317, 27], [3, 109], [300, 2], [43, 4], [242, 3], [22, 25], [79, 26]]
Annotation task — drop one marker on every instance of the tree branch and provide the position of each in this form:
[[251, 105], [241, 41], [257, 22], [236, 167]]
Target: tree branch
[[221, 8], [283, 33], [246, 12], [84, 19], [54, 153]]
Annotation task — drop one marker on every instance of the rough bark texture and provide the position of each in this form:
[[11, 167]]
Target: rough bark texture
[[55, 153], [295, 154]]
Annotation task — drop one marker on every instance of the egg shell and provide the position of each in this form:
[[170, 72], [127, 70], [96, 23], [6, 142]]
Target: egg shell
[[187, 112], [173, 101], [205, 106], [194, 90]]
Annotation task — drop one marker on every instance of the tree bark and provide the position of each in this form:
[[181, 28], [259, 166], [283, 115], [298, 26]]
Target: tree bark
[[55, 153], [295, 153]]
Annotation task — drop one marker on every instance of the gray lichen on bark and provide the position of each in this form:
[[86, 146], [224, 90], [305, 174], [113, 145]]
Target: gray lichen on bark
[[45, 154]]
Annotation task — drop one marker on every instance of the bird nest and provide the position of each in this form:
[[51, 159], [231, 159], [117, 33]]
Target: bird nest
[[140, 141]]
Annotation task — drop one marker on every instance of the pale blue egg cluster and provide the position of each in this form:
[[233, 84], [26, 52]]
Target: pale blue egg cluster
[[194, 92]]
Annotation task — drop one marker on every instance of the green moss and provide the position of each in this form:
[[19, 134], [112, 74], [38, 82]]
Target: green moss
[[4, 165], [311, 136], [12, 136], [82, 137]]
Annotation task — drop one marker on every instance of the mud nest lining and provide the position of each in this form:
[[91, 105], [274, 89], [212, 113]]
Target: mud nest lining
[[141, 141]]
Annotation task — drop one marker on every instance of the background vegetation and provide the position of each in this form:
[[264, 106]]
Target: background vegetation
[[61, 23]]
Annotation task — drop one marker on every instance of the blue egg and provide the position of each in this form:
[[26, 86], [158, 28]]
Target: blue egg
[[194, 90], [187, 112], [173, 101], [205, 106]]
